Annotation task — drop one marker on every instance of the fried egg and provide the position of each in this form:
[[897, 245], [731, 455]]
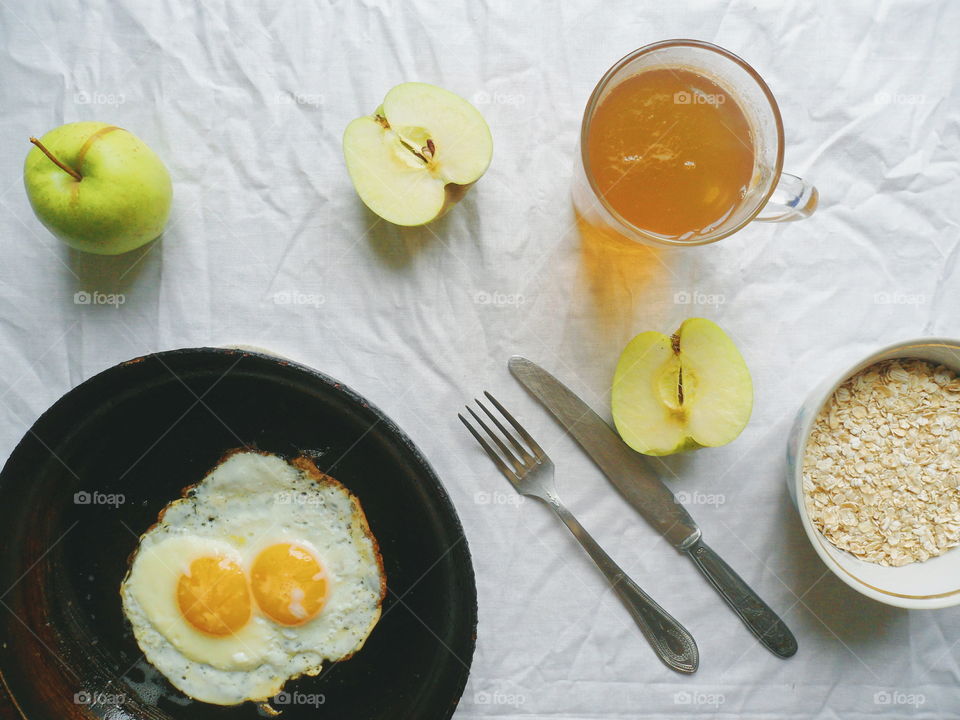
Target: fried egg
[[260, 573]]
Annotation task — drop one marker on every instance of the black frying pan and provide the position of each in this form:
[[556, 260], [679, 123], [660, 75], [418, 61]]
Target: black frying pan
[[144, 430]]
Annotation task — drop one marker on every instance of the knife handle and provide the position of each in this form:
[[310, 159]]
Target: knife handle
[[755, 613], [670, 640]]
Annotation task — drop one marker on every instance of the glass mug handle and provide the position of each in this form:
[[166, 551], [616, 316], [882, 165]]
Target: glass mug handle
[[792, 199]]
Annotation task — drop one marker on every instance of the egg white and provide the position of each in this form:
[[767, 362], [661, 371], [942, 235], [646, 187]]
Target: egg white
[[247, 503]]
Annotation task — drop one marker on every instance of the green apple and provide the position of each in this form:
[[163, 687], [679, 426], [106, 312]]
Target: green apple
[[681, 392], [97, 187], [417, 154]]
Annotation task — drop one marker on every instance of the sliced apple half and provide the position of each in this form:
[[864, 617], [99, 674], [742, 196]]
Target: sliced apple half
[[681, 392], [418, 154]]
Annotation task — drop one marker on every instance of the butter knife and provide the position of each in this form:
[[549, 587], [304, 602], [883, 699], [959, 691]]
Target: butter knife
[[639, 485]]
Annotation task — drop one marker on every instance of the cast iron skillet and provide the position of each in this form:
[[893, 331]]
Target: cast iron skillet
[[145, 429]]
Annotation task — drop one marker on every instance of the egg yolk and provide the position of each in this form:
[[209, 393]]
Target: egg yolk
[[213, 596], [288, 583]]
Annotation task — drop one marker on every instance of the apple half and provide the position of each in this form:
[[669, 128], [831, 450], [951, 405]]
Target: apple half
[[418, 154], [681, 392]]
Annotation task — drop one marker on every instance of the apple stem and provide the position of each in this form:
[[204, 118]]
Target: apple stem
[[675, 345], [66, 168]]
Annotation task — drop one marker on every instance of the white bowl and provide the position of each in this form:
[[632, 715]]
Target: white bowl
[[932, 584]]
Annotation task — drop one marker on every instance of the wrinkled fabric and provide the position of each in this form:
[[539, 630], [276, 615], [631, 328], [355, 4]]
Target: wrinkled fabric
[[269, 246]]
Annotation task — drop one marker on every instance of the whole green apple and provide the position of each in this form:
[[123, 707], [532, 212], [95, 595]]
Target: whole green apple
[[97, 187]]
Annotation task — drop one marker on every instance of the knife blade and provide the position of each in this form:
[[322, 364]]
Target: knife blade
[[631, 475], [625, 468]]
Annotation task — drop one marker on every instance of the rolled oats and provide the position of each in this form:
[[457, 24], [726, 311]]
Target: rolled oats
[[882, 465]]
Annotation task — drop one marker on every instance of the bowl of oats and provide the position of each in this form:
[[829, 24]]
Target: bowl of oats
[[875, 474]]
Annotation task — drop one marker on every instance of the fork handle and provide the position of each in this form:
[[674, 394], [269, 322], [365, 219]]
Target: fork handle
[[672, 643]]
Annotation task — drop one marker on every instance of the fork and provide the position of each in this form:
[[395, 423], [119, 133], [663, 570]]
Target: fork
[[532, 474]]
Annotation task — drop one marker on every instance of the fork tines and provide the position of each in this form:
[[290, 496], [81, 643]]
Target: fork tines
[[522, 459]]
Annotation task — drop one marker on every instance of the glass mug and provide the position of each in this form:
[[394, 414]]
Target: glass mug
[[771, 194]]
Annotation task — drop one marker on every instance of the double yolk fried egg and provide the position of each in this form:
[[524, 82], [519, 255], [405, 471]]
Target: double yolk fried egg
[[262, 572]]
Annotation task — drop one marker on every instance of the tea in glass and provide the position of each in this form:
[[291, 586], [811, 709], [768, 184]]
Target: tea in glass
[[671, 151]]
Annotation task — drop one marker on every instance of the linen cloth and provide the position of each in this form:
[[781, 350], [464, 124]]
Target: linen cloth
[[268, 245]]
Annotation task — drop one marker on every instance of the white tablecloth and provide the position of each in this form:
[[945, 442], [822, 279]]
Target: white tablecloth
[[268, 245]]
